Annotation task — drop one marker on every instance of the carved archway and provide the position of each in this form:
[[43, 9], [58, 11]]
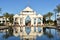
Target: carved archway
[[28, 21]]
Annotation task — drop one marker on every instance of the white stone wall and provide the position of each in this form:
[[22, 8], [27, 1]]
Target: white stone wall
[[32, 15], [3, 19], [58, 19]]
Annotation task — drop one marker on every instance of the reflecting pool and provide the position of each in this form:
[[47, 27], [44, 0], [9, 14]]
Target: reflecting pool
[[49, 34]]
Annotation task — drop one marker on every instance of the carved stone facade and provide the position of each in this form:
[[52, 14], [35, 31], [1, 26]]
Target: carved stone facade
[[28, 12]]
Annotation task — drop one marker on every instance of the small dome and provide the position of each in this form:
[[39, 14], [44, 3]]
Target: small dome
[[40, 15]]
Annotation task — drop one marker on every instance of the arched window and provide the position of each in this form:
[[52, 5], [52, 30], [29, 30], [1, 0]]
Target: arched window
[[28, 20], [39, 20], [16, 19]]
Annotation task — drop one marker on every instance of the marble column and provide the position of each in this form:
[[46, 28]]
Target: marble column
[[32, 21], [23, 21]]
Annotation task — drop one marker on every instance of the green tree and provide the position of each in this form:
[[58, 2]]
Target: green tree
[[56, 10], [49, 14], [11, 18], [51, 21], [6, 15], [44, 18]]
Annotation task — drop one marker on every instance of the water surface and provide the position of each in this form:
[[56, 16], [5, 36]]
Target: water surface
[[49, 34]]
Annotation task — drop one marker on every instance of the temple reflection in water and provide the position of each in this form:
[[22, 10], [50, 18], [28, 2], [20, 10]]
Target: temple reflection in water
[[28, 32], [27, 22]]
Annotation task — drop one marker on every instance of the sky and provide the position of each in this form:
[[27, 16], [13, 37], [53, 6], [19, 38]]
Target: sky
[[40, 6]]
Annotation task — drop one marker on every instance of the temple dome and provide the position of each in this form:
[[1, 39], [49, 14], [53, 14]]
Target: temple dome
[[39, 15], [28, 9]]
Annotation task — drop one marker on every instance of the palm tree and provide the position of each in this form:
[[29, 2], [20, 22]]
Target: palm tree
[[56, 10], [11, 18], [44, 18], [6, 15], [49, 14]]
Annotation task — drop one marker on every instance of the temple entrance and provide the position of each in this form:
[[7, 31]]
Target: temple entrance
[[29, 24], [28, 17], [27, 21]]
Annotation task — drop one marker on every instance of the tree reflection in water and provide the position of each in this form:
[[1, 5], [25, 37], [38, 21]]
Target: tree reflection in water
[[9, 33], [48, 34], [58, 32]]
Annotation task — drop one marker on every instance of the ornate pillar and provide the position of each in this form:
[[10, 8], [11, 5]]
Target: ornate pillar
[[23, 21], [32, 23]]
